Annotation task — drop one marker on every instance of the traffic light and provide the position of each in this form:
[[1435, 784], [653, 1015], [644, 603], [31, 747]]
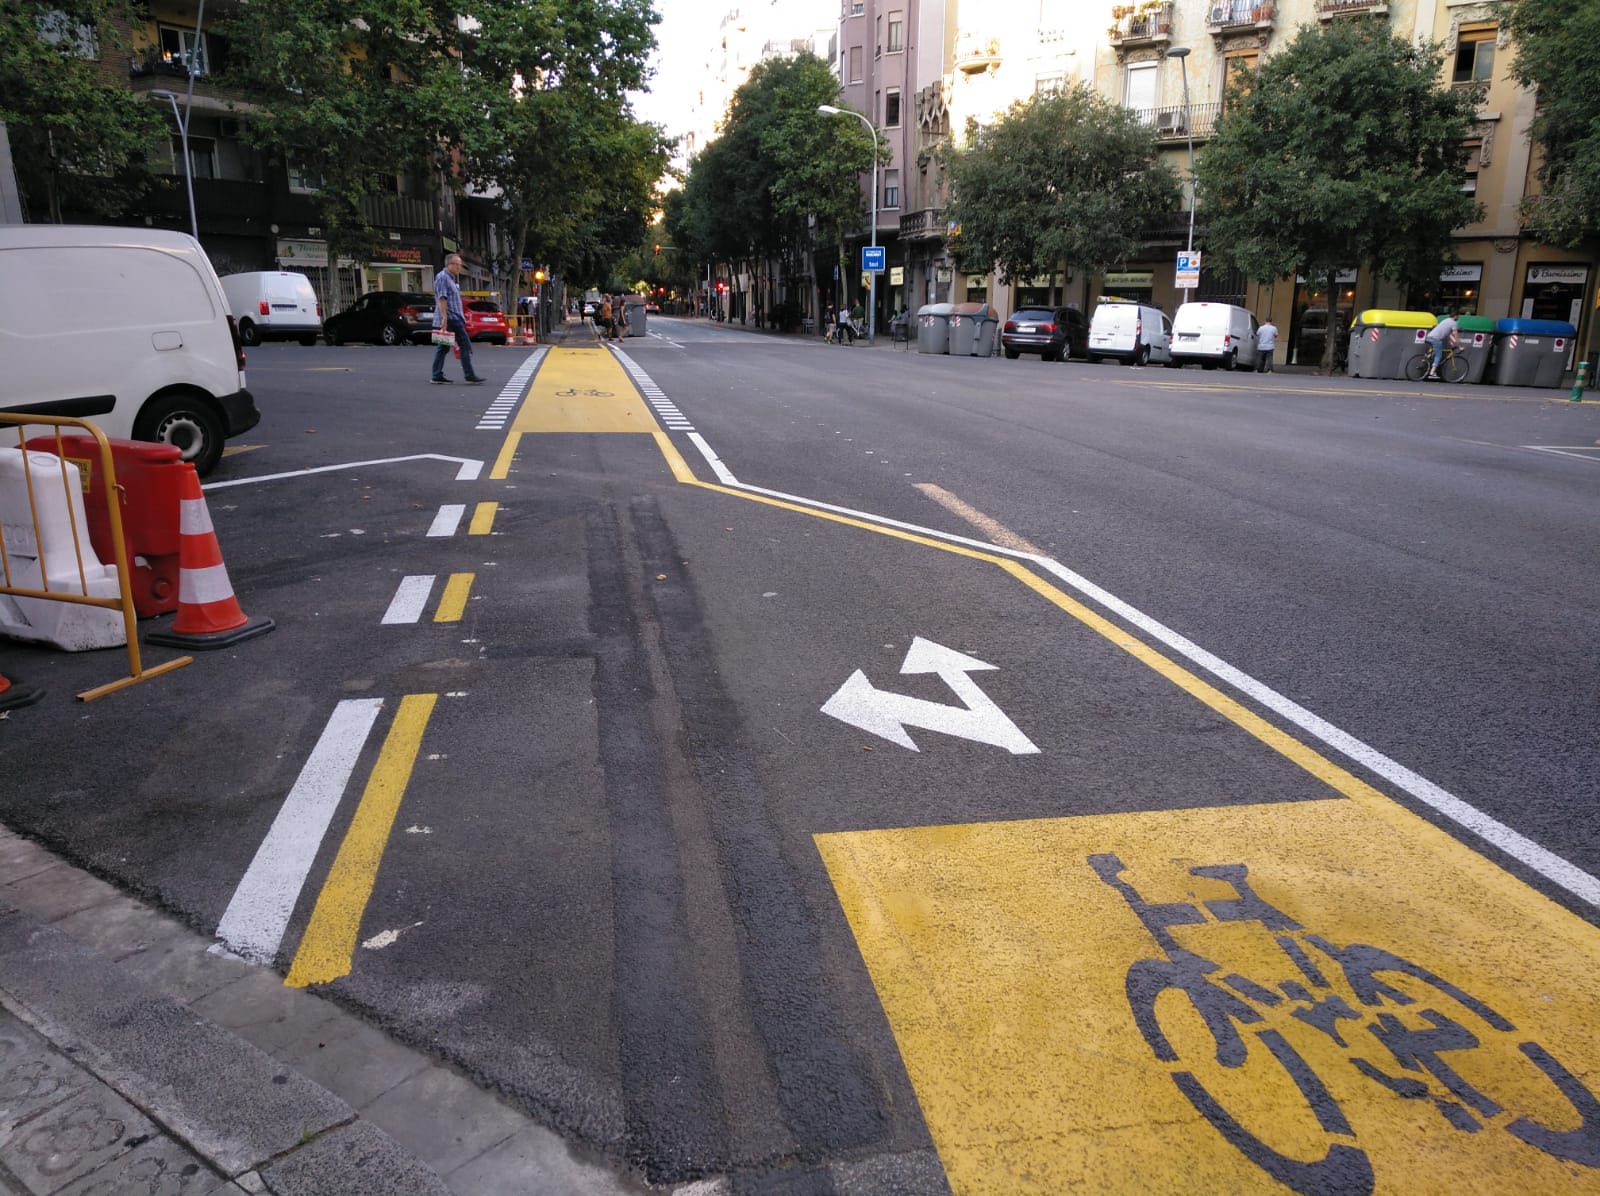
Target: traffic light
[[721, 286]]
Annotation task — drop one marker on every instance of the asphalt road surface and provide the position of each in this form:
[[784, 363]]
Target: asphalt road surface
[[848, 769]]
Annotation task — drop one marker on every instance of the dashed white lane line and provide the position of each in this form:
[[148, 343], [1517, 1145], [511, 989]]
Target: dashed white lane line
[[447, 520], [664, 407], [409, 600], [252, 926]]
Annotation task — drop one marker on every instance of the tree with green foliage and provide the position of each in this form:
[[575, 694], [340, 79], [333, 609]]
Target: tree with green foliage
[[1062, 179], [1343, 149], [550, 131], [351, 92], [70, 129], [780, 179], [1555, 48]]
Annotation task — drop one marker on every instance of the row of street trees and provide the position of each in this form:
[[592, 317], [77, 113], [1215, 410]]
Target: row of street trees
[[526, 99]]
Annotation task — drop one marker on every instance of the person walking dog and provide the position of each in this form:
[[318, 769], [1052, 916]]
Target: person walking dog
[[449, 315]]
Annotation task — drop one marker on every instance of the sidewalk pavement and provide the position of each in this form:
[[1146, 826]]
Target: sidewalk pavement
[[134, 1059]]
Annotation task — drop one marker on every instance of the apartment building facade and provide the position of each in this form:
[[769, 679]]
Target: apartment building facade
[[958, 59], [254, 214]]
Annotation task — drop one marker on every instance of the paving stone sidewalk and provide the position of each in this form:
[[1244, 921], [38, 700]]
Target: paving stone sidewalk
[[135, 1061]]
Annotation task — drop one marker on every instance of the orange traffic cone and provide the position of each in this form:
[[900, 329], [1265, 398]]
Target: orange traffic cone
[[208, 613], [14, 693]]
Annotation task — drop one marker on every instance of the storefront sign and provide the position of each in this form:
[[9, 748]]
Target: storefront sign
[[1543, 275], [942, 273], [897, 276], [1132, 280], [1344, 277], [1461, 272], [292, 253], [409, 255]]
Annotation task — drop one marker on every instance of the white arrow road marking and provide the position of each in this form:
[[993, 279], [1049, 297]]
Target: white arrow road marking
[[887, 715]]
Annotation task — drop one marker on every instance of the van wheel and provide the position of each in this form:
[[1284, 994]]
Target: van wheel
[[1228, 360], [1141, 355], [393, 334], [187, 421], [248, 336]]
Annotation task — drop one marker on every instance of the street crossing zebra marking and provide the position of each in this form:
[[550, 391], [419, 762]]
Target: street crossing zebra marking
[[495, 417], [664, 407]]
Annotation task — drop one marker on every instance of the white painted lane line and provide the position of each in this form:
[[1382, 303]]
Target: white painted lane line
[[447, 520], [253, 924], [1582, 452], [468, 472], [1541, 860], [410, 599]]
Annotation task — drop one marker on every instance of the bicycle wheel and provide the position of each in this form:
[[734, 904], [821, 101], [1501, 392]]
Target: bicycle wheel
[[1417, 366], [1453, 368]]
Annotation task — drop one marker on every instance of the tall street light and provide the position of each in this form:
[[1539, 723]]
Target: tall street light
[[1181, 53], [188, 176], [872, 275]]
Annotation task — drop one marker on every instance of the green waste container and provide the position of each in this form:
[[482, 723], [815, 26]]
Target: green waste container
[[1477, 343], [1382, 341]]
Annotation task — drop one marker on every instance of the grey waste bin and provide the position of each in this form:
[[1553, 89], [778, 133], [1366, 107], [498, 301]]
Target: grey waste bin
[[933, 328], [636, 317], [1382, 341], [1530, 352], [966, 322], [1476, 334], [988, 329]]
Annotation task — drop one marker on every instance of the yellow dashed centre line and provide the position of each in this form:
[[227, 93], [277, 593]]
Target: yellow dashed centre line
[[453, 602], [483, 519]]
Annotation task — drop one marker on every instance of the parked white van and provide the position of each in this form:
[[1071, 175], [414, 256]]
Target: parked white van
[[1129, 332], [1214, 334], [273, 305], [127, 327]]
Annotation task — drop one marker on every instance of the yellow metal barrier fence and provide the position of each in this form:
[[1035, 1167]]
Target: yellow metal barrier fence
[[112, 492]]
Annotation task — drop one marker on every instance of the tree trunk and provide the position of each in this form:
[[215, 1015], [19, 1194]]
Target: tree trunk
[[1333, 308]]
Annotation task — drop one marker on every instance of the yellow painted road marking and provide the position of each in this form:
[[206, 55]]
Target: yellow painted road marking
[[330, 937], [1006, 964], [453, 602], [997, 532], [233, 450], [576, 390], [483, 519]]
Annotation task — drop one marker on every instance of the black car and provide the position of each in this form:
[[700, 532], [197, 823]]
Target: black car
[[381, 318], [1055, 333]]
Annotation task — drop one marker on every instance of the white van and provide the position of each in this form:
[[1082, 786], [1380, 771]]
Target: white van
[[127, 327], [273, 305], [1214, 334], [1129, 332]]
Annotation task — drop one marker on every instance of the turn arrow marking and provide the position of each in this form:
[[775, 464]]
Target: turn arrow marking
[[887, 715]]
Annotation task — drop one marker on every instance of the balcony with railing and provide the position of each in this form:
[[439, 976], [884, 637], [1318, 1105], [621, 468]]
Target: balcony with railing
[[1174, 123], [1327, 10], [926, 224], [397, 211], [1238, 16], [1146, 24], [976, 52]]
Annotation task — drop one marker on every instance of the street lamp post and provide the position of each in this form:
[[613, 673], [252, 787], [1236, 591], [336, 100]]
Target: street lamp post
[[188, 176], [1181, 53], [872, 275]]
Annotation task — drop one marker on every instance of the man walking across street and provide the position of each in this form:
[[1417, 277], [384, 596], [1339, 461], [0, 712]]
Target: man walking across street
[[449, 314], [1441, 333], [1266, 345]]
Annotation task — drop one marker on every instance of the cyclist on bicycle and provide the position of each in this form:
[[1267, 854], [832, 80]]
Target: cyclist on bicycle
[[1442, 333]]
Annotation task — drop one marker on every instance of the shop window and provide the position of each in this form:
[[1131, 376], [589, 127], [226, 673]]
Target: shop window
[[897, 33], [891, 108], [1474, 56]]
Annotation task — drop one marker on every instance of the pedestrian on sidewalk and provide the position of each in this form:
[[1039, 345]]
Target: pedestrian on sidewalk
[[449, 315], [1266, 345]]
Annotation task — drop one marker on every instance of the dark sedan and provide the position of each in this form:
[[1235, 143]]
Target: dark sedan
[[381, 318], [1055, 333]]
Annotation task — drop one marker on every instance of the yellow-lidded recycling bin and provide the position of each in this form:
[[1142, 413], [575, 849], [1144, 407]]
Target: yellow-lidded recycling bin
[[1381, 341]]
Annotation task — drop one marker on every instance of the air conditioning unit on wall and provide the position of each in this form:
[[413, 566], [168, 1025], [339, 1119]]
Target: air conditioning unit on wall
[[1169, 122]]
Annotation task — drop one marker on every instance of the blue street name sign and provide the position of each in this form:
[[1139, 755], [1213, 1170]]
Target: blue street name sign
[[872, 257]]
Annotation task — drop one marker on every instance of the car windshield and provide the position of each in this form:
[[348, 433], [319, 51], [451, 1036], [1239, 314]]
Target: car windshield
[[485, 306], [1035, 315]]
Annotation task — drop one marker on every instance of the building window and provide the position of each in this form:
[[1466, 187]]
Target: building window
[[56, 27], [1046, 84], [855, 64], [302, 181], [202, 157], [1474, 56], [891, 108], [891, 188], [179, 48], [857, 7], [1140, 93], [897, 33]]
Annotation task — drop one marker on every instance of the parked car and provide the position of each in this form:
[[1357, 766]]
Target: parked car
[[485, 322], [381, 318], [273, 305], [1214, 334], [1135, 333], [1055, 333], [652, 308], [126, 327]]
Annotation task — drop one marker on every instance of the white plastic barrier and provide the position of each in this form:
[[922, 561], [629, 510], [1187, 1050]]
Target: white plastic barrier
[[67, 625]]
